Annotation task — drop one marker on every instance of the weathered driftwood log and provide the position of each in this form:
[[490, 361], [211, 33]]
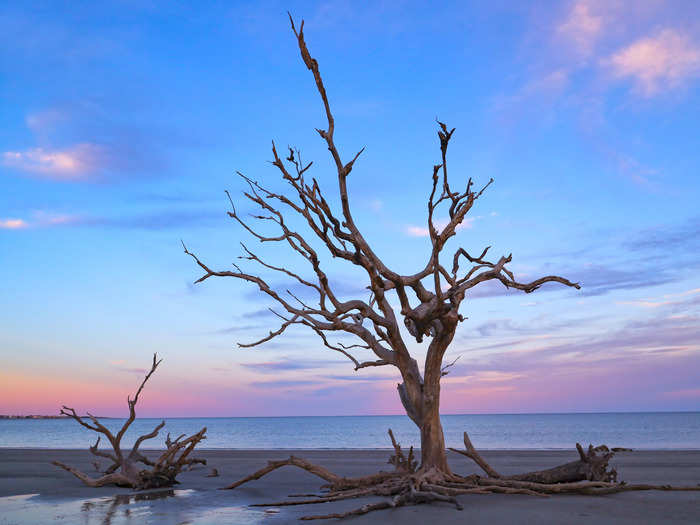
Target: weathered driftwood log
[[592, 465], [124, 469]]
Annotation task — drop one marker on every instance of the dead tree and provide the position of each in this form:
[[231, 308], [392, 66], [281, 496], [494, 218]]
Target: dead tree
[[124, 469], [429, 299]]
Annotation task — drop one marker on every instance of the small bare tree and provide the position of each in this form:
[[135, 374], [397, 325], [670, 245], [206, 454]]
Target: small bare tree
[[124, 469], [429, 299]]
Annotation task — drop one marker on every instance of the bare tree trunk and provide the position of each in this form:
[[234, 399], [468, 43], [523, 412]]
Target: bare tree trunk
[[432, 440], [422, 401], [422, 404], [433, 452]]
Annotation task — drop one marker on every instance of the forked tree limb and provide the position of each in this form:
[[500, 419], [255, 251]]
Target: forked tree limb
[[472, 454]]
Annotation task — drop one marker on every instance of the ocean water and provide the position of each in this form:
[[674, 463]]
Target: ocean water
[[653, 430]]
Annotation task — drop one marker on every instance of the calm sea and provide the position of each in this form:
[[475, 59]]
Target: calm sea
[[658, 430]]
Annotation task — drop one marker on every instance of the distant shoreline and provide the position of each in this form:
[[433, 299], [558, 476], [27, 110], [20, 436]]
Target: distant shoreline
[[35, 416], [32, 416]]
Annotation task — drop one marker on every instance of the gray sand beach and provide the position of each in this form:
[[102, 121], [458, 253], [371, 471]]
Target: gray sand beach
[[34, 491]]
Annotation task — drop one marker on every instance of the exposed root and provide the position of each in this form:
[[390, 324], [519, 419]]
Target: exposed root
[[293, 460], [408, 486], [407, 496]]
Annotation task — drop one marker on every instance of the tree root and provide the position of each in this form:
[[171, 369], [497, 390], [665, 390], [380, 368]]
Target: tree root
[[589, 475]]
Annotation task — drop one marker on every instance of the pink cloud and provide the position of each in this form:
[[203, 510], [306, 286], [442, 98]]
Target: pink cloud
[[657, 63], [417, 231], [41, 219], [12, 224], [75, 163], [582, 27], [687, 393]]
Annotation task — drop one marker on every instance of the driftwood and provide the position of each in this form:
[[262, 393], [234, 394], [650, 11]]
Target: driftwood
[[401, 463], [407, 486], [124, 470], [590, 466]]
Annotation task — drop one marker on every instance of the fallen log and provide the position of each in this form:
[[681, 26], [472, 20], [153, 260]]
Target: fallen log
[[592, 465]]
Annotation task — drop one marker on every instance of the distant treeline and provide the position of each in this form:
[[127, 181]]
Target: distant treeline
[[3, 416]]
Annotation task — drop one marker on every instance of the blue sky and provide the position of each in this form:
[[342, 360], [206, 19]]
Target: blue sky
[[124, 122]]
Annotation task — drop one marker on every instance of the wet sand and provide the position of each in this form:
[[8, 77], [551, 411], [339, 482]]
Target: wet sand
[[34, 491]]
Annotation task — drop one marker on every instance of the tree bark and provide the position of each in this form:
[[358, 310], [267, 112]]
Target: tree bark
[[432, 440], [433, 453]]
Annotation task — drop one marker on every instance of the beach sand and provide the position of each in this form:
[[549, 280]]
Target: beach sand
[[34, 491]]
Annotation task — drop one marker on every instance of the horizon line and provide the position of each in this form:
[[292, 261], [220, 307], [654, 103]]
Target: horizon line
[[52, 416]]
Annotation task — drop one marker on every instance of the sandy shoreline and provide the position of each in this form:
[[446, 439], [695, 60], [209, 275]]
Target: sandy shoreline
[[62, 498]]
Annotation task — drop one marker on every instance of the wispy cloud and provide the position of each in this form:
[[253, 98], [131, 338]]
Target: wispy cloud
[[42, 122], [491, 376], [657, 63], [665, 300], [363, 378], [12, 224], [40, 219], [82, 143], [685, 393], [272, 367], [162, 220], [120, 364], [73, 164], [582, 26], [422, 231], [661, 352], [417, 231], [667, 239], [236, 329], [284, 383]]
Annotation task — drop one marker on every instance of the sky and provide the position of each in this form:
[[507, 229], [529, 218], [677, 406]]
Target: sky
[[123, 123]]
